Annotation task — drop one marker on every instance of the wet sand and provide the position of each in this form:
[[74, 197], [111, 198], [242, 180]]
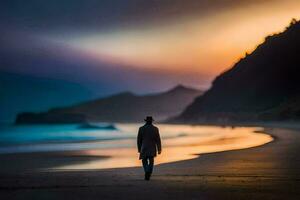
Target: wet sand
[[271, 171]]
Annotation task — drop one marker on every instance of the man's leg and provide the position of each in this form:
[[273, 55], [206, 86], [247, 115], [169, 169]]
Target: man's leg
[[147, 167], [150, 165], [145, 164]]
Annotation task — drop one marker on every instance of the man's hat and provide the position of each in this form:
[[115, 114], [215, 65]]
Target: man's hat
[[149, 119]]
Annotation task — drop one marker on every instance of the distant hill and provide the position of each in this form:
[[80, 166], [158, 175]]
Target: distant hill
[[20, 93], [265, 85], [123, 107]]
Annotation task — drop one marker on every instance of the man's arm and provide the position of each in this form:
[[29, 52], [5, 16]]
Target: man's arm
[[139, 140], [158, 142]]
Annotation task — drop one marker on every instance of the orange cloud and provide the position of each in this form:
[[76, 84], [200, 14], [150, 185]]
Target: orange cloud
[[204, 45]]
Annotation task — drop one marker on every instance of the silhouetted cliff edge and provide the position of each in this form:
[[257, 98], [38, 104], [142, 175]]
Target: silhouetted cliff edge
[[265, 85]]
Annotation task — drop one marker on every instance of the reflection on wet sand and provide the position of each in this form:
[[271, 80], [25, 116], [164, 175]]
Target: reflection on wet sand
[[196, 140]]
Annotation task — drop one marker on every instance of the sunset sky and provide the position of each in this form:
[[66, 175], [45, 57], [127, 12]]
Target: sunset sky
[[143, 46]]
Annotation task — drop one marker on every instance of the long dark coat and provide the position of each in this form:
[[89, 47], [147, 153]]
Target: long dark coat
[[148, 141]]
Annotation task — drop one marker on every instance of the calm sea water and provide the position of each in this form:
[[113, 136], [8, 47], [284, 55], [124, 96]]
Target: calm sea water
[[35, 138], [180, 142]]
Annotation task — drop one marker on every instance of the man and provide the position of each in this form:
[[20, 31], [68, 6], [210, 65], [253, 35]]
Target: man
[[148, 142]]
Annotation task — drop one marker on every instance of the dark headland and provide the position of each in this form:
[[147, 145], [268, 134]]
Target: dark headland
[[262, 86]]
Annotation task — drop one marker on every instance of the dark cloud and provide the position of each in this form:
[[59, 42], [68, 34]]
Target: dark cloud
[[94, 14]]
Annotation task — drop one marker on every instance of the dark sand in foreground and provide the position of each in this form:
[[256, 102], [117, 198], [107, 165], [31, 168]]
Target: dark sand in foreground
[[271, 171]]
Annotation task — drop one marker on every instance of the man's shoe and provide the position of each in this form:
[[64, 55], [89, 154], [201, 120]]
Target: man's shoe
[[147, 176]]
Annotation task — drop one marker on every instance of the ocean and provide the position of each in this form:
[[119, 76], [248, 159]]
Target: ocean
[[118, 141]]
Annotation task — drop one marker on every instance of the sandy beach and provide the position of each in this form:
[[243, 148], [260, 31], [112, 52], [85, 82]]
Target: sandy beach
[[271, 171]]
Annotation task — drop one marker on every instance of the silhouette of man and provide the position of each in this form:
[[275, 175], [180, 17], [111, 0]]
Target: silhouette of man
[[148, 142]]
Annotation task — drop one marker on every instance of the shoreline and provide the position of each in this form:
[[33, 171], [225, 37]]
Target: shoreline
[[270, 171], [176, 149]]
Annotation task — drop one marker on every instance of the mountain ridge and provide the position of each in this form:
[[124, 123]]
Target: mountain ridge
[[122, 107]]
